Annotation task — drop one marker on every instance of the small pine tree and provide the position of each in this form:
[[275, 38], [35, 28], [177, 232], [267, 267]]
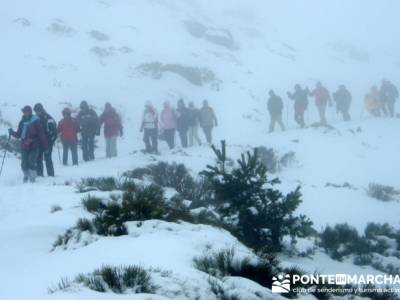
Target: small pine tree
[[259, 215]]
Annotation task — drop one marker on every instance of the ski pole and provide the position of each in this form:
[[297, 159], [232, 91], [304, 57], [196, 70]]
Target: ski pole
[[5, 153]]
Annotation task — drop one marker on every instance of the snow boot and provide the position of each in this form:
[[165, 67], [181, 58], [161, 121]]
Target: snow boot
[[26, 176], [32, 176]]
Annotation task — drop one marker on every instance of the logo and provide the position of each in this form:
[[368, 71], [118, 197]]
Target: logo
[[281, 284]]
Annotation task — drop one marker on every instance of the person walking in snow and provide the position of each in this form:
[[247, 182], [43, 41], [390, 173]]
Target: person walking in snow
[[168, 124], [112, 129], [33, 138], [182, 122], [208, 121], [322, 99], [150, 128], [388, 94], [343, 98], [194, 121], [373, 103], [68, 129], [300, 97], [89, 128], [50, 129], [275, 108]]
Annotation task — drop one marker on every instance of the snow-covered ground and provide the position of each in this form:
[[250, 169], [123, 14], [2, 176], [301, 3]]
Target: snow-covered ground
[[61, 52]]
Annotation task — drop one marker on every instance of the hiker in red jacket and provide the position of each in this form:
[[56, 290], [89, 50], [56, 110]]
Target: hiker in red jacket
[[322, 98], [68, 129], [112, 129], [32, 136]]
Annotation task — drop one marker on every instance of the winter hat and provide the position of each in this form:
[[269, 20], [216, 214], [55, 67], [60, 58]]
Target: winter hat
[[148, 103], [38, 108], [66, 112], [27, 108], [108, 105]]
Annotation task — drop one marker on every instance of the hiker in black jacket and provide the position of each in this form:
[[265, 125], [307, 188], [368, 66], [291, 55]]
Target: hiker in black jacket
[[342, 97], [275, 108], [388, 94], [89, 127], [300, 97], [50, 130]]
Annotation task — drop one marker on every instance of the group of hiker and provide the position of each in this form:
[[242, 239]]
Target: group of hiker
[[185, 120], [38, 132], [378, 102]]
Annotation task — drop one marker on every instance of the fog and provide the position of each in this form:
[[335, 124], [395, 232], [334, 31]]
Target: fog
[[338, 161], [322, 34]]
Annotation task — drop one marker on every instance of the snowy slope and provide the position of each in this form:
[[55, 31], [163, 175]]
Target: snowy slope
[[60, 52]]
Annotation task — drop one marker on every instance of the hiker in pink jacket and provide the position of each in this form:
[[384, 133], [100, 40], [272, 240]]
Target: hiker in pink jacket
[[168, 124], [322, 98]]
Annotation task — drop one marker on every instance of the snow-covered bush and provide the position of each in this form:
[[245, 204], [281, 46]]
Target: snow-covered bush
[[225, 263], [119, 280], [219, 264], [256, 213], [383, 192], [77, 235], [175, 176], [341, 241], [110, 215], [379, 240], [271, 160], [93, 204], [220, 292], [145, 203], [104, 184], [178, 177]]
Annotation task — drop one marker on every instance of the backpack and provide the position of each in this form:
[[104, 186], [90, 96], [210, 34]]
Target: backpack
[[50, 128]]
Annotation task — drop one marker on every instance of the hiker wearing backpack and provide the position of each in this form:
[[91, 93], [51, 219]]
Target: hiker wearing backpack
[[208, 121], [33, 138], [50, 129], [373, 103], [343, 98], [194, 121], [168, 124], [322, 99], [150, 128], [275, 108], [182, 122], [89, 127], [300, 97], [389, 94], [68, 129], [112, 129]]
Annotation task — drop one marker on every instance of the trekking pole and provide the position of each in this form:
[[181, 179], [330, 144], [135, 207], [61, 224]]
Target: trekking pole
[[58, 150], [4, 156]]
